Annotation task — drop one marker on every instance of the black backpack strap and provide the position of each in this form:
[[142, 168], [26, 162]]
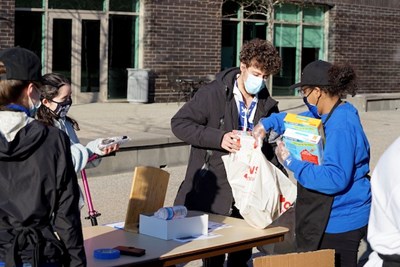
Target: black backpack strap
[[23, 236], [36, 237]]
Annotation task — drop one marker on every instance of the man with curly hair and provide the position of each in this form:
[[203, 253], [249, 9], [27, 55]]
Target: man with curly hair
[[235, 100]]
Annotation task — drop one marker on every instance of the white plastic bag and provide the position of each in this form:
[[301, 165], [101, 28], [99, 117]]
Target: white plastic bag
[[261, 191]]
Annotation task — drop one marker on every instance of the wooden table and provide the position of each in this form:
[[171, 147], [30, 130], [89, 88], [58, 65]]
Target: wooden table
[[165, 253]]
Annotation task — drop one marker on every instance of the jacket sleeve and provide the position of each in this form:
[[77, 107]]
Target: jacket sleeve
[[80, 156], [274, 122], [93, 148], [195, 122], [67, 222], [80, 153], [337, 170]]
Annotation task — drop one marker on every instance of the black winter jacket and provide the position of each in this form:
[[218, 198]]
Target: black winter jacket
[[202, 123], [39, 195]]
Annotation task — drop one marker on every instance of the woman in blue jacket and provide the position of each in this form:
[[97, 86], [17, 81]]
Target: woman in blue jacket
[[334, 198]]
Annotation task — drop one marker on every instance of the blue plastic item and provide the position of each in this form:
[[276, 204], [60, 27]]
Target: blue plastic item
[[106, 254]]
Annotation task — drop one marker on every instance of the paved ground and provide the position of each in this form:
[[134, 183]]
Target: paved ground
[[140, 121]]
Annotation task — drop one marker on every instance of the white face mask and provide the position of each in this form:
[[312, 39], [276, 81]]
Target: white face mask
[[253, 84]]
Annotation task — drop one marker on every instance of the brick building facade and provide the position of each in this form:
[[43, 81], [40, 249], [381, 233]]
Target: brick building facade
[[182, 39], [7, 14], [365, 33]]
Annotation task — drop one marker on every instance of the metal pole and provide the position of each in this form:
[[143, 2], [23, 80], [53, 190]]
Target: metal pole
[[93, 214]]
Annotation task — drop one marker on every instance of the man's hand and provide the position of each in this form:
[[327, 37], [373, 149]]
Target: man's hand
[[231, 142]]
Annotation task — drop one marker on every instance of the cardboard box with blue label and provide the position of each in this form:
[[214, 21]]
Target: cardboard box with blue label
[[304, 146], [304, 124]]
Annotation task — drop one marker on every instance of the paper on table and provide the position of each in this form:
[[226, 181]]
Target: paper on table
[[197, 237], [117, 225], [212, 226]]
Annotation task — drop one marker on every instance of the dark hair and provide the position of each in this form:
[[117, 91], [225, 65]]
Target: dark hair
[[342, 80], [261, 54], [51, 83], [10, 90]]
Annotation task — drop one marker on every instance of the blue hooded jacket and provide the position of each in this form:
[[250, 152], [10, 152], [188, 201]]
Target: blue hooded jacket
[[344, 170]]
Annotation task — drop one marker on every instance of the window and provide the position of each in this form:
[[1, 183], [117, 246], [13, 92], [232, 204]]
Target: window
[[76, 4], [124, 5], [121, 53], [28, 3], [298, 32], [299, 37], [28, 31], [62, 30], [90, 62], [78, 44]]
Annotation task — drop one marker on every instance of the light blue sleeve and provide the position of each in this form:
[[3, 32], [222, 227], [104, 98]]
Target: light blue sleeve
[[80, 156], [275, 122], [93, 148], [80, 153]]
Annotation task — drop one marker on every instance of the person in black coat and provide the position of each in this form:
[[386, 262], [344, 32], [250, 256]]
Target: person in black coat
[[40, 221], [235, 100]]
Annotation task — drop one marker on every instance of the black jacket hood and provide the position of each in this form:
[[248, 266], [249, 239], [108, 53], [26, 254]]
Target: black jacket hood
[[25, 142]]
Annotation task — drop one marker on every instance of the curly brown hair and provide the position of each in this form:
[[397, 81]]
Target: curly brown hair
[[261, 54], [342, 80]]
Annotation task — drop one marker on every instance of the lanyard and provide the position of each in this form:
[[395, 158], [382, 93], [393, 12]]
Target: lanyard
[[244, 115], [333, 109]]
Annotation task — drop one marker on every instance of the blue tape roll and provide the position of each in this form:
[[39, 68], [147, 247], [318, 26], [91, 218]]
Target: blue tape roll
[[106, 253]]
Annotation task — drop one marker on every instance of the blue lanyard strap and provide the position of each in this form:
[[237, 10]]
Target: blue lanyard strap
[[244, 116]]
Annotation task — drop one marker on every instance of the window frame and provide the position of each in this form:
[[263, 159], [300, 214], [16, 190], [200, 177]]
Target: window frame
[[270, 33]]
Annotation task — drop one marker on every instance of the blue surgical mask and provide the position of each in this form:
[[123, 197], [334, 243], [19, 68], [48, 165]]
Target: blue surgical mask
[[312, 108], [253, 84], [34, 105]]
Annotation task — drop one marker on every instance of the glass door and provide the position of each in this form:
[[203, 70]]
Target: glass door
[[76, 48]]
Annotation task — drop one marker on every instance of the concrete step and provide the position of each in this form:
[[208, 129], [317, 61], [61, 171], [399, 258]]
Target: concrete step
[[159, 151]]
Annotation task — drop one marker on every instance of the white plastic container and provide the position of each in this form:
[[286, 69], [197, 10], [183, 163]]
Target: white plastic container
[[169, 213]]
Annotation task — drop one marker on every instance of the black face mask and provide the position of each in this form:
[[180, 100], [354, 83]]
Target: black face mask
[[62, 107]]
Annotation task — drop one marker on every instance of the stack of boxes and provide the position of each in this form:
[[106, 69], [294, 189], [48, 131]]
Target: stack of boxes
[[304, 138]]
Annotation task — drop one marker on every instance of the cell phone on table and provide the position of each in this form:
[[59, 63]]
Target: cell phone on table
[[131, 251]]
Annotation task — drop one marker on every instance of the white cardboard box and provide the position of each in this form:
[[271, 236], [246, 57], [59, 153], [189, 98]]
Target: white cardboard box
[[304, 124], [304, 146], [191, 225]]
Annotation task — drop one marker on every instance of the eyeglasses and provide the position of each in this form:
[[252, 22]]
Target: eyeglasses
[[302, 91]]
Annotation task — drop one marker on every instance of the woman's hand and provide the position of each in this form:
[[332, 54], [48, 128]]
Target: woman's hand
[[110, 149]]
